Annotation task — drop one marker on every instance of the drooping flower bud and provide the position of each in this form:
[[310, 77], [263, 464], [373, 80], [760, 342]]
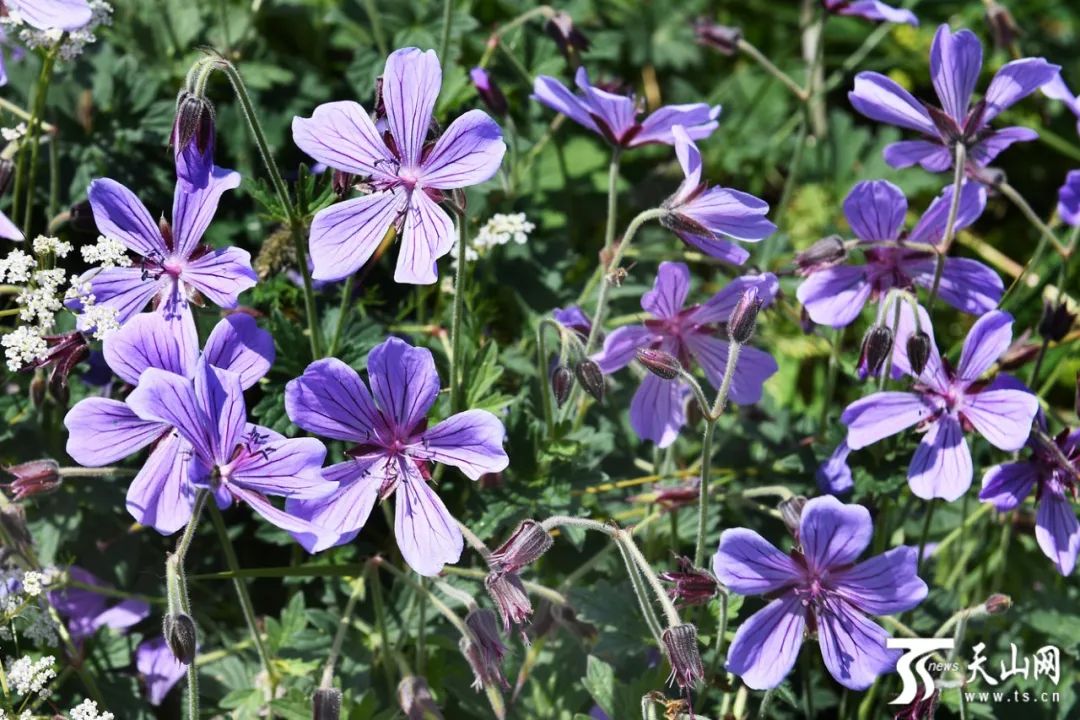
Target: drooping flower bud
[[1056, 321], [529, 541], [326, 704], [484, 626], [181, 636], [508, 593], [591, 378], [64, 353], [571, 41], [691, 585], [485, 673], [719, 37], [681, 648], [415, 699], [824, 253], [918, 351], [489, 92], [791, 513], [193, 138], [1003, 26], [562, 382], [37, 477], [998, 604], [876, 346], [660, 363], [744, 317]]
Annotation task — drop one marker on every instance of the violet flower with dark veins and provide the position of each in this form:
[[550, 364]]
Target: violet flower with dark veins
[[873, 10]]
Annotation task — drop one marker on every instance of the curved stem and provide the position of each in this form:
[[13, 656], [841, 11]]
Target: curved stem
[[447, 23], [343, 311], [636, 582], [458, 352], [767, 65], [1022, 205], [26, 174], [339, 637], [959, 160], [521, 19]]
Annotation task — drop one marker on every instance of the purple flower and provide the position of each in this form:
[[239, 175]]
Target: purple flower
[[158, 668], [871, 10], [102, 430], [172, 266], [1069, 199], [392, 448], [1056, 89], [615, 117], [51, 14], [817, 588], [409, 174], [955, 64], [488, 90], [1054, 473], [658, 411], [946, 403], [703, 217], [574, 318], [835, 295], [85, 611], [834, 475], [9, 230]]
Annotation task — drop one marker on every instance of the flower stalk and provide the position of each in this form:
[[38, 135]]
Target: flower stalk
[[959, 162]]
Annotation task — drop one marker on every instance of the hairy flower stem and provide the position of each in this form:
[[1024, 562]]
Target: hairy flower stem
[[640, 591], [959, 161], [457, 357], [379, 604], [545, 379], [243, 595], [26, 167], [295, 215], [734, 349], [757, 56]]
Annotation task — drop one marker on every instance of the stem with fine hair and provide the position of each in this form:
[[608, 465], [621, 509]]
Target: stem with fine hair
[[959, 161], [178, 593], [457, 354], [640, 592]]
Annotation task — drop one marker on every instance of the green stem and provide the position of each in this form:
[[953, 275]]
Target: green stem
[[447, 23], [339, 636], [642, 595], [959, 161], [920, 560], [457, 355], [343, 311], [376, 27], [379, 605], [25, 176], [545, 380], [767, 65], [1032, 217], [521, 19]]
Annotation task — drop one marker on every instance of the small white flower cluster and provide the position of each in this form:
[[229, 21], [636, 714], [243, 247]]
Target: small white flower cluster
[[30, 677], [87, 710], [16, 267], [109, 252], [69, 45], [501, 229], [57, 247], [22, 346], [13, 134], [24, 715], [22, 598]]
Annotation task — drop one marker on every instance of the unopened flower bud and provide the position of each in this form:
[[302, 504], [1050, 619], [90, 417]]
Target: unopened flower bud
[[489, 92], [529, 541], [326, 704], [1002, 25], [791, 513], [744, 317], [918, 351], [876, 346], [560, 27], [1056, 321], [341, 183], [562, 382], [484, 626], [998, 604], [37, 477], [181, 637], [825, 252], [691, 585], [921, 708], [485, 673], [681, 648], [719, 37], [194, 122], [508, 593], [591, 378], [660, 363], [415, 699]]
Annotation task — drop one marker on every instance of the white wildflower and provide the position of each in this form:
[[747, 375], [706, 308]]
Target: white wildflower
[[503, 228], [29, 677], [32, 583], [43, 300], [13, 134], [87, 710], [102, 318], [45, 244], [16, 267], [109, 252], [22, 346]]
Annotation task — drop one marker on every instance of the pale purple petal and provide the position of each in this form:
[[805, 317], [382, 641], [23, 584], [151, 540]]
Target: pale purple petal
[[239, 345], [220, 398], [987, 340], [753, 368], [53, 14], [832, 533], [221, 275], [427, 235], [1014, 82], [876, 209], [471, 441], [941, 467], [881, 415], [987, 150], [931, 226], [8, 229], [689, 159], [834, 475], [410, 86], [290, 468], [148, 340], [934, 374], [342, 135], [670, 290], [103, 431], [730, 212], [967, 285], [884, 584], [615, 115], [122, 288], [1058, 532], [160, 495], [329, 399], [877, 11], [879, 98], [346, 509], [170, 398], [748, 564], [932, 157], [767, 643], [345, 235], [427, 534], [552, 93], [307, 533], [403, 381], [621, 346], [835, 296], [159, 668], [955, 63], [123, 615], [716, 247], [468, 153], [852, 645], [1008, 484], [697, 119], [719, 307], [1069, 199], [122, 216], [1003, 416], [658, 409], [194, 208]]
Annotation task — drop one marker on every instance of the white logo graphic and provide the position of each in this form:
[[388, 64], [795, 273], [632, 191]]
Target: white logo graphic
[[916, 649]]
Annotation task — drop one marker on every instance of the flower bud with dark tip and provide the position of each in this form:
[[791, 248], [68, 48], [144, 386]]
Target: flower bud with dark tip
[[326, 704], [508, 593], [489, 92], [560, 28], [562, 382], [194, 122], [181, 636], [681, 648], [529, 541], [1003, 26], [37, 477], [591, 378], [791, 513], [824, 253], [660, 363], [743, 318], [922, 708], [918, 351], [415, 699], [690, 585], [1056, 321], [719, 37], [484, 625], [876, 346], [998, 604]]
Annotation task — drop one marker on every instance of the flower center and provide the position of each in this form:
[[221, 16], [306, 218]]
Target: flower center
[[410, 177]]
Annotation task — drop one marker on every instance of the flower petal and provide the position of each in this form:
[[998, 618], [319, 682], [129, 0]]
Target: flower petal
[[102, 431], [941, 467], [767, 643], [715, 247], [834, 475], [658, 409], [342, 135], [345, 235], [1002, 416], [669, 292], [832, 533], [471, 441], [719, 307], [1058, 532], [148, 340], [697, 119], [621, 346], [934, 374], [170, 398], [8, 229], [308, 534], [987, 150], [835, 296], [331, 400], [1068, 200], [931, 226], [967, 285], [346, 509], [194, 208], [220, 397], [122, 288], [932, 157], [160, 496], [748, 564], [403, 381], [239, 345], [878, 11], [427, 235], [876, 210], [410, 85], [987, 340], [291, 468], [881, 415], [120, 215], [879, 98], [955, 64], [221, 275], [689, 157], [552, 93], [614, 114], [159, 668], [427, 534], [752, 369], [468, 153], [1015, 81], [852, 645], [53, 14], [730, 212], [1008, 484], [884, 584]]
